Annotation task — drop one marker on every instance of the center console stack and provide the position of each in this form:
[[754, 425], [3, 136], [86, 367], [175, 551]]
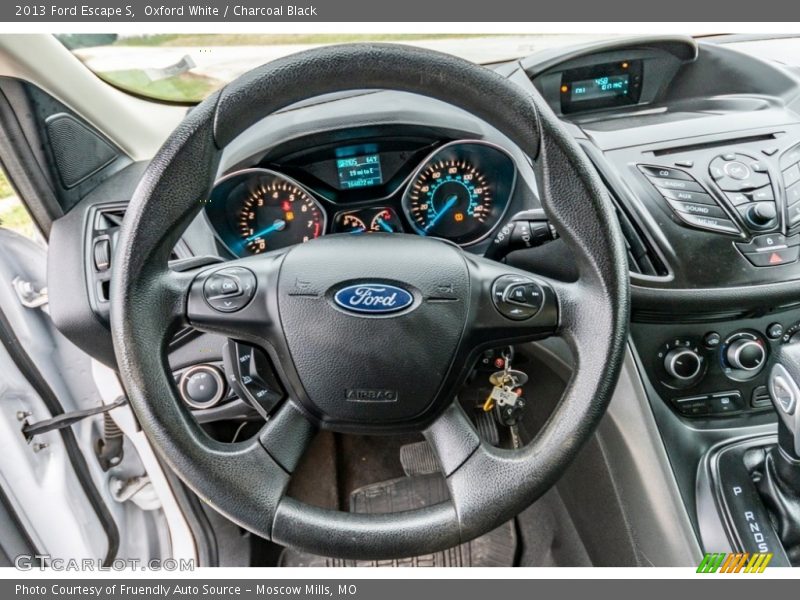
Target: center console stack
[[704, 171]]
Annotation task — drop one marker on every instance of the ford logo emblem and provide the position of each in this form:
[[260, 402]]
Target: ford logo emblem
[[373, 298]]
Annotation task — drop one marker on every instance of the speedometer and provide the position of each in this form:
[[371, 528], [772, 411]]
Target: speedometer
[[450, 199], [461, 192]]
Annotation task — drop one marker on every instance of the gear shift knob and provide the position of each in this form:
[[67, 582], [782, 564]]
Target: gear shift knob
[[784, 390]]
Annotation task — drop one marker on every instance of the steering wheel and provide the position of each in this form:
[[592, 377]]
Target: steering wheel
[[413, 357]]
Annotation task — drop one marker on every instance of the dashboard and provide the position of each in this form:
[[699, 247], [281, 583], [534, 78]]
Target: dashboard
[[698, 145], [458, 190]]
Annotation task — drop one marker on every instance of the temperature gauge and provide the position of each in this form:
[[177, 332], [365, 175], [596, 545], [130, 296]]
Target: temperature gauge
[[385, 221]]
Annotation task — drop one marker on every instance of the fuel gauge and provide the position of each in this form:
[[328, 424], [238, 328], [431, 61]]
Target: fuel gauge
[[351, 223]]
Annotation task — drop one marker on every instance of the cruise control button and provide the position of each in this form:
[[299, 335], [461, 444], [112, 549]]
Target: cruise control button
[[677, 184], [712, 223], [665, 173], [697, 209], [684, 196], [773, 258]]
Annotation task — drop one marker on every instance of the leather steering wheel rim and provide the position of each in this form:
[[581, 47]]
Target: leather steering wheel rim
[[246, 481]]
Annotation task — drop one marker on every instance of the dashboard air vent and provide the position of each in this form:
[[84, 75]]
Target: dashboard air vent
[[642, 257]]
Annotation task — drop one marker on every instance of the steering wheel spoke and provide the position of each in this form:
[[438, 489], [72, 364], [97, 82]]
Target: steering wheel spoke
[[237, 299], [453, 438], [287, 435], [511, 306]]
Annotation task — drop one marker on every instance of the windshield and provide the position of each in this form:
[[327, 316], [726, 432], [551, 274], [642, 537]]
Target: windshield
[[186, 68]]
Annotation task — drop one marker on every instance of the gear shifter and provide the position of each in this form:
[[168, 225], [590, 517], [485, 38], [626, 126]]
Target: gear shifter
[[780, 485]]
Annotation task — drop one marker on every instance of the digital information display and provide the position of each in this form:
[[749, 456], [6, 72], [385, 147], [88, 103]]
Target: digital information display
[[359, 171], [600, 87]]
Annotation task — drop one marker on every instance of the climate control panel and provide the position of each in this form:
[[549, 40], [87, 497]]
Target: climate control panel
[[716, 369]]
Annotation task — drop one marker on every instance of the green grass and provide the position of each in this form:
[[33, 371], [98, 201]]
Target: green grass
[[268, 39], [186, 87], [5, 187], [14, 216]]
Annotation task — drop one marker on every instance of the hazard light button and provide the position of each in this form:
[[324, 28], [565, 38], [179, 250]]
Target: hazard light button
[[773, 258]]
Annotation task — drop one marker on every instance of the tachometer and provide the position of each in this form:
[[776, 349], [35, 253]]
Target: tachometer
[[278, 213], [257, 210], [452, 196]]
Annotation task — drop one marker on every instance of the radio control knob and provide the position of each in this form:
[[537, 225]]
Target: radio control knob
[[683, 363], [747, 355], [762, 214]]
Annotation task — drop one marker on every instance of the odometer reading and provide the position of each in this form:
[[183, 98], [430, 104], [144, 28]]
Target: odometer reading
[[277, 213], [451, 199]]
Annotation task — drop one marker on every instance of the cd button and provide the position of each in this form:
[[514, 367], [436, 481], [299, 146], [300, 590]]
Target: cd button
[[665, 173]]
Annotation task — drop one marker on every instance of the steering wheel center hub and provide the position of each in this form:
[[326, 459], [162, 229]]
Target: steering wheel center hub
[[372, 325]]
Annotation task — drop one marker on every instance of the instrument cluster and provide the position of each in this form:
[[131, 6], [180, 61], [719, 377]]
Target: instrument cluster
[[457, 191]]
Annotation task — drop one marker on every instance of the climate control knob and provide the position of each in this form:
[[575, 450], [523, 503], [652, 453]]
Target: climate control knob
[[747, 355], [683, 364]]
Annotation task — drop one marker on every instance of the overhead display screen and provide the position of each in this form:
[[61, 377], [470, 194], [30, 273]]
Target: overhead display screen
[[359, 171]]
